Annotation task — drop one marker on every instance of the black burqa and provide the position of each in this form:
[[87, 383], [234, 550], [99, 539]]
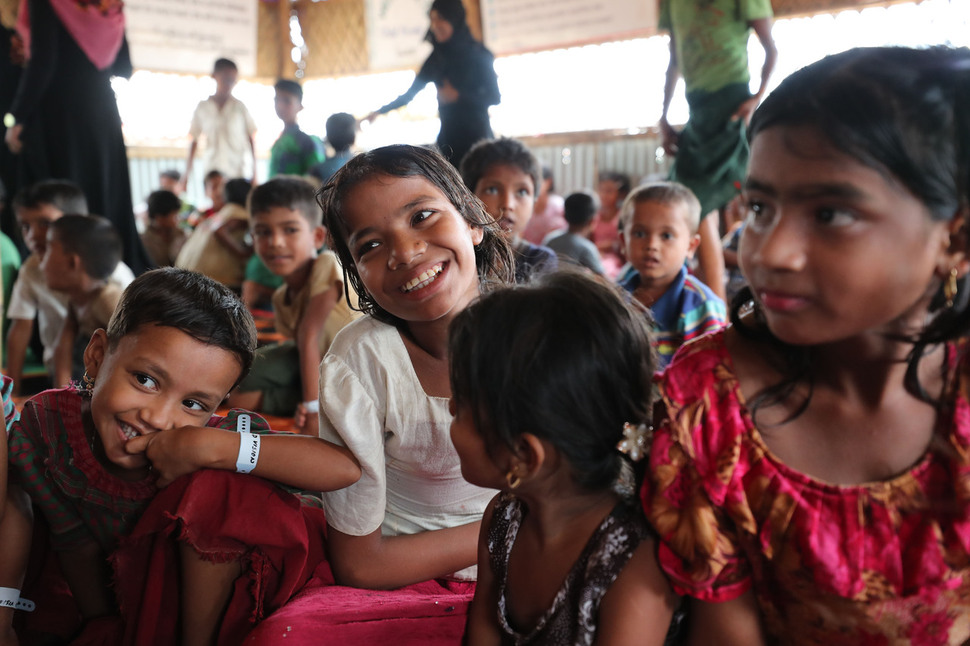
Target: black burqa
[[71, 125], [469, 67]]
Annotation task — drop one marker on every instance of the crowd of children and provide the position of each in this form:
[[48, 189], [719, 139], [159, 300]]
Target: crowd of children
[[503, 429]]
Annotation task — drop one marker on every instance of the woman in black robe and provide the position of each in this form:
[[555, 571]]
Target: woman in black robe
[[64, 121], [462, 70]]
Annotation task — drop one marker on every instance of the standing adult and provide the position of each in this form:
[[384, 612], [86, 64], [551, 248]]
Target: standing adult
[[64, 121], [463, 71], [709, 47]]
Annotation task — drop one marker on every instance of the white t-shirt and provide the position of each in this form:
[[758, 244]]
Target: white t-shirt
[[372, 402], [31, 297], [227, 135]]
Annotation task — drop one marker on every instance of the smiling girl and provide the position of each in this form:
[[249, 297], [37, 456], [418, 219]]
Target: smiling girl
[[809, 481]]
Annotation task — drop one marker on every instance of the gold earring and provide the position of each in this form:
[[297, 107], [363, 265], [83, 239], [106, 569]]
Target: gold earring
[[88, 382], [512, 480], [950, 288]]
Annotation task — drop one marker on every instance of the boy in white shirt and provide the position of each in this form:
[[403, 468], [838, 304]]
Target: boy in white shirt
[[36, 207]]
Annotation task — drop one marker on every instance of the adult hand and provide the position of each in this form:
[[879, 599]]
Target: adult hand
[[369, 118], [447, 93], [12, 138], [745, 110], [669, 137]]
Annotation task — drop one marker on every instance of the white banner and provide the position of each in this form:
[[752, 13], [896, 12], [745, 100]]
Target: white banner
[[189, 35], [512, 26], [395, 33]]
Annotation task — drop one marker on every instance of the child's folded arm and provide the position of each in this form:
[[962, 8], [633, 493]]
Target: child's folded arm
[[482, 628], [307, 463]]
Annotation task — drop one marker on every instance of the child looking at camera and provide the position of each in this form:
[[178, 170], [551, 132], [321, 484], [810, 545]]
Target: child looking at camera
[[504, 175], [92, 456], [551, 386], [659, 235], [310, 308]]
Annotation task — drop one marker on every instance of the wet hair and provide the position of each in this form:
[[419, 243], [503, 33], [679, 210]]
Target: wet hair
[[93, 239], [621, 179], [580, 208], [492, 152], [224, 64], [236, 191], [204, 309], [564, 358], [163, 203], [290, 87], [668, 193], [64, 195], [288, 192], [906, 114], [493, 256], [341, 130]]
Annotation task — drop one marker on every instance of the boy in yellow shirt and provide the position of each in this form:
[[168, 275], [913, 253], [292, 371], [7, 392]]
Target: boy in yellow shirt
[[310, 306]]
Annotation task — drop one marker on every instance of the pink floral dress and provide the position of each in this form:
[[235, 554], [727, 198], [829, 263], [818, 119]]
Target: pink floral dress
[[878, 563]]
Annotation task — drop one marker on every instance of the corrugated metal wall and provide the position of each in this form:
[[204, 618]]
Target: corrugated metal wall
[[575, 160]]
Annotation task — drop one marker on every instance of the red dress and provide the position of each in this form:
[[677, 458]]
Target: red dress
[[879, 563]]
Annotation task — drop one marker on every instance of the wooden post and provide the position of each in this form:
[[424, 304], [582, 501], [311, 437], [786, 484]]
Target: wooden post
[[285, 62]]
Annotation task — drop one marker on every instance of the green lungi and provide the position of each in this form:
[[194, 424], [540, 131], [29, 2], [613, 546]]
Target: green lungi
[[712, 152]]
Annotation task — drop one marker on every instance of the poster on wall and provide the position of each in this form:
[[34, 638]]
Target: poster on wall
[[395, 33], [189, 35], [512, 26]]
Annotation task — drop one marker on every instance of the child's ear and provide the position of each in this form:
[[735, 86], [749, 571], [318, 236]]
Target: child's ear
[[956, 251], [95, 352], [319, 236], [529, 457], [695, 241], [478, 234]]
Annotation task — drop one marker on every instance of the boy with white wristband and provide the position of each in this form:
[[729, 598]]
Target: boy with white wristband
[[310, 307], [93, 456], [15, 532]]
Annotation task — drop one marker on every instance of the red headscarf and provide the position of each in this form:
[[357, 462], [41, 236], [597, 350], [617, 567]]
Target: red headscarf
[[97, 26]]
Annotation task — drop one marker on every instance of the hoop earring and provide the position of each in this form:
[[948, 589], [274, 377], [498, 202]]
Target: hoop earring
[[512, 480], [950, 288]]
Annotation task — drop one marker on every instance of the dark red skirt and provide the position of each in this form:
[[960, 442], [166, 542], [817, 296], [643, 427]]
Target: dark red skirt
[[287, 587]]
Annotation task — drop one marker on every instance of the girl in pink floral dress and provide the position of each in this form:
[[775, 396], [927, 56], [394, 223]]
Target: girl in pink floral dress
[[810, 479]]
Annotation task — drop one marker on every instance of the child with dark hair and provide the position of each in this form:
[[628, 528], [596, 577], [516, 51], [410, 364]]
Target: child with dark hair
[[547, 218], [659, 235], [294, 152], [92, 456], [504, 174], [573, 246], [218, 247], [418, 247], [82, 253], [163, 238], [565, 555], [612, 188], [810, 475], [36, 207], [341, 134], [227, 126], [310, 307]]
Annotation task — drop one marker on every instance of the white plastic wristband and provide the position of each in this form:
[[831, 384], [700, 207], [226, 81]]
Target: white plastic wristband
[[312, 406], [248, 446], [10, 598]]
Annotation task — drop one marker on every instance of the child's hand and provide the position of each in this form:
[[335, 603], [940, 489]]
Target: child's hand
[[180, 451], [306, 423], [8, 637]]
